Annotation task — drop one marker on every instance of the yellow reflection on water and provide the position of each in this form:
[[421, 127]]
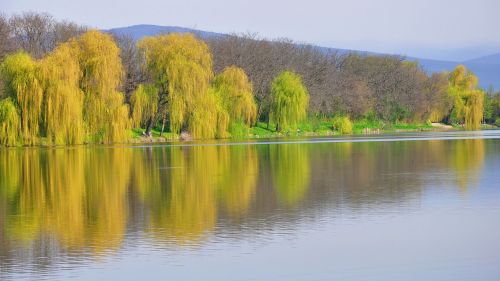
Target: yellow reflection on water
[[75, 194], [467, 160], [86, 197], [290, 170], [238, 178]]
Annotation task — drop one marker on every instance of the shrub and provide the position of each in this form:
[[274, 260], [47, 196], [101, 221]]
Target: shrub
[[342, 124]]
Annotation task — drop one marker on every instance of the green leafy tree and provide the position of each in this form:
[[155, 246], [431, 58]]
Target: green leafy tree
[[289, 100]]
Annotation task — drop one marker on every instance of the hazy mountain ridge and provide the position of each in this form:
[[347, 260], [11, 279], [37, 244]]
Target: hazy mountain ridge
[[490, 59], [487, 68], [142, 30]]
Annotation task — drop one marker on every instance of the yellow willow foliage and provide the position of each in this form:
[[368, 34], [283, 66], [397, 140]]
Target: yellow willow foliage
[[289, 100], [458, 112], [19, 73], [291, 171], [208, 119], [468, 101], [236, 93], [105, 114], [436, 115], [238, 178], [460, 77], [63, 107], [9, 123], [144, 102], [473, 111], [181, 66]]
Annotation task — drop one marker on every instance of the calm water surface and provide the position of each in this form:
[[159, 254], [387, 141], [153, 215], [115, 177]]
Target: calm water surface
[[412, 207]]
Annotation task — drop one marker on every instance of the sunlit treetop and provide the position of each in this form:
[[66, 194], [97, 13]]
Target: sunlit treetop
[[100, 62], [462, 78]]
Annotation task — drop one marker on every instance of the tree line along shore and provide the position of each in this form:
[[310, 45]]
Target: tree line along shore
[[61, 83]]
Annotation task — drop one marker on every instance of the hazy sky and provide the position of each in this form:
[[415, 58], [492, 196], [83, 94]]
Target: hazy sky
[[445, 29]]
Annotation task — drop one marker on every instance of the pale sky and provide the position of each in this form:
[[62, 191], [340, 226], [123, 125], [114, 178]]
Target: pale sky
[[440, 29]]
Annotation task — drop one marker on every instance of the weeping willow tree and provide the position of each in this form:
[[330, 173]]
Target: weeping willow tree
[[468, 100], [180, 66], [19, 74], [207, 118], [289, 100], [473, 110], [105, 113], [144, 102], [236, 94], [9, 123], [63, 106]]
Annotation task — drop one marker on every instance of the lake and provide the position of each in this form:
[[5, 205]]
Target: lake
[[421, 206]]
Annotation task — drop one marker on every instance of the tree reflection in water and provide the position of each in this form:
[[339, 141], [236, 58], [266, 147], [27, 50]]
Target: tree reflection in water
[[86, 199]]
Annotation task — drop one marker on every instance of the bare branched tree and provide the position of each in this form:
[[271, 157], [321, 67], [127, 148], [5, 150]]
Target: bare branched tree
[[133, 63], [40, 33]]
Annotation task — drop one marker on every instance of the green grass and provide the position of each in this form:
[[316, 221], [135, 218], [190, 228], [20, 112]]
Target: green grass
[[312, 127], [359, 126], [137, 133]]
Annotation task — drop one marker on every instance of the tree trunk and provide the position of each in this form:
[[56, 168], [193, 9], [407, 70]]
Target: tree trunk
[[149, 128], [163, 126]]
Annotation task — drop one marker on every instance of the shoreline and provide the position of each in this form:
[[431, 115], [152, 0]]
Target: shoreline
[[272, 137]]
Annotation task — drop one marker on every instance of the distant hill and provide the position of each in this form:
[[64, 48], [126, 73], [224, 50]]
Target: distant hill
[[487, 68], [491, 59], [142, 30], [487, 71]]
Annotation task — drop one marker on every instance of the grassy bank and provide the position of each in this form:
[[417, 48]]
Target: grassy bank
[[310, 128]]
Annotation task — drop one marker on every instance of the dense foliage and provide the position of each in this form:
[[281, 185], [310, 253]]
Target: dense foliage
[[236, 94], [61, 84], [68, 97]]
